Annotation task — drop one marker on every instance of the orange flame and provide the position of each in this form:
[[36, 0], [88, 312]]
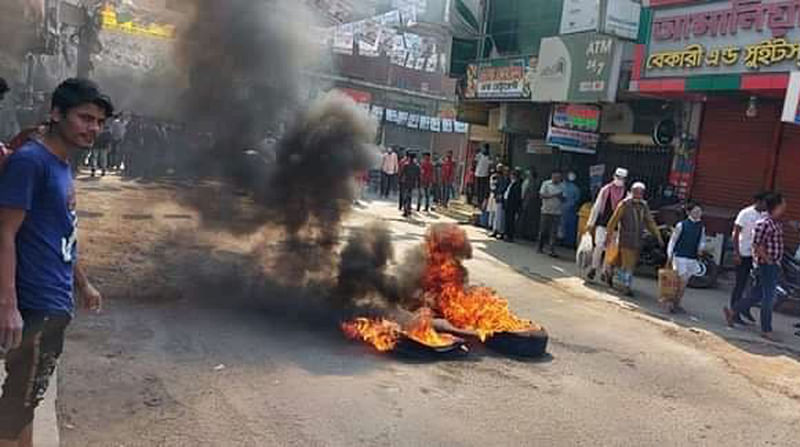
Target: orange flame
[[379, 332], [384, 334], [444, 282], [421, 330]]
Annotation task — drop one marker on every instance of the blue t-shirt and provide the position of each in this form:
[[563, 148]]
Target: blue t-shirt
[[39, 182]]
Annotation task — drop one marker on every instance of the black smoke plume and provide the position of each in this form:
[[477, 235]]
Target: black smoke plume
[[246, 65]]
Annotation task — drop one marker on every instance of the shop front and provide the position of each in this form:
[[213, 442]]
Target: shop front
[[734, 58]]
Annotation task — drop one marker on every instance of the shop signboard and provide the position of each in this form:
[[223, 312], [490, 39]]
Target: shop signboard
[[573, 127], [580, 68], [580, 15], [622, 18], [791, 104], [614, 17], [500, 79], [724, 37]]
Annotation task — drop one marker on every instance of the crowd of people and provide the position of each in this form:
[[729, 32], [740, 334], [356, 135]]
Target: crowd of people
[[430, 181], [140, 147], [618, 219]]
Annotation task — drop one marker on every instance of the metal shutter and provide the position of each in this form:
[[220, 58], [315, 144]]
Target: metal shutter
[[734, 152], [787, 176]]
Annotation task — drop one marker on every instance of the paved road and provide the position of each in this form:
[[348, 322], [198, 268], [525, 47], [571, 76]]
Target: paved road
[[227, 373]]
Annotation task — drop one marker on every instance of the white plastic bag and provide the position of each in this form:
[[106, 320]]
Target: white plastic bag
[[583, 257]]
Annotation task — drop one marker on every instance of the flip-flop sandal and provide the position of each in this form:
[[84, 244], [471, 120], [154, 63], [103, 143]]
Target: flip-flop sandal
[[797, 325], [797, 333]]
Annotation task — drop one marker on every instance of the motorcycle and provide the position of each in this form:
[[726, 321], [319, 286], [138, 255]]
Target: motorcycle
[[653, 257], [787, 299]]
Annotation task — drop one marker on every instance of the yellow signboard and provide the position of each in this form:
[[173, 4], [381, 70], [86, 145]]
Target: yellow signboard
[[764, 54], [110, 22]]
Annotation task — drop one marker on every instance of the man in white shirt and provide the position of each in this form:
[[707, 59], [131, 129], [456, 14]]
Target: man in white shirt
[[743, 229], [389, 168], [552, 195], [484, 163]]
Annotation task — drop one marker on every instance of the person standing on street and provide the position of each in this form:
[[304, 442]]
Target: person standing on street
[[512, 202], [604, 206], [552, 194], [743, 229], [448, 176], [409, 181], [100, 150], [530, 215], [569, 210], [119, 127], [684, 249], [39, 268], [768, 249], [483, 165], [389, 169], [499, 184], [400, 166], [426, 182], [630, 219]]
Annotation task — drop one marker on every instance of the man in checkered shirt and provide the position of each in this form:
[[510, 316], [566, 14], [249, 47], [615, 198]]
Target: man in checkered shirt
[[768, 253]]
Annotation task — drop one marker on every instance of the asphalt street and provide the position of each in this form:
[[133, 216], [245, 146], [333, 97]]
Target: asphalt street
[[228, 372]]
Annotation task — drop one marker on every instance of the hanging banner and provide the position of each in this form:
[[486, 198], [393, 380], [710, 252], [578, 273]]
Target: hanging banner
[[425, 123], [461, 127], [391, 115], [436, 124], [447, 125], [402, 118], [413, 121], [343, 39], [377, 113]]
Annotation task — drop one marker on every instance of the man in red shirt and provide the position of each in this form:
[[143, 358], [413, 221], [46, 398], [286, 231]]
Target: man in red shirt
[[448, 174], [426, 182]]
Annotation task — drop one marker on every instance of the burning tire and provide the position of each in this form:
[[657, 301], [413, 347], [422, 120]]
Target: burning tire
[[528, 344], [407, 347]]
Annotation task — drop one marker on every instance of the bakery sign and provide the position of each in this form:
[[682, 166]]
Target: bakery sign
[[725, 37]]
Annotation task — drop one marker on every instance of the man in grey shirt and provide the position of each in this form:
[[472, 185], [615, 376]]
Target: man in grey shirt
[[552, 195]]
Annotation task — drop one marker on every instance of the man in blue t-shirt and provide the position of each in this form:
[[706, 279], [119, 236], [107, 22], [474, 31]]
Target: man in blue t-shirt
[[38, 262]]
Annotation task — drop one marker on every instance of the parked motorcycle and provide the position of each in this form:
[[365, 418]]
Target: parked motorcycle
[[787, 299], [654, 257]]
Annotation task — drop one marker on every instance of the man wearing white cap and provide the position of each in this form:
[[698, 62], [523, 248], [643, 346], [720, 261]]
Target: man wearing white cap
[[630, 219], [606, 202]]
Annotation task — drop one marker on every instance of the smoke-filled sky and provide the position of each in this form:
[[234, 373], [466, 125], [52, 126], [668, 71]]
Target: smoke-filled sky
[[244, 62]]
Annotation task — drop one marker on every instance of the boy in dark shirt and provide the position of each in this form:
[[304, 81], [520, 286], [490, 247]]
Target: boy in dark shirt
[[38, 253]]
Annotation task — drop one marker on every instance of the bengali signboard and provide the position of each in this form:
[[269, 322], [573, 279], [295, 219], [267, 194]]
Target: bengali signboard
[[573, 127], [725, 37], [500, 79]]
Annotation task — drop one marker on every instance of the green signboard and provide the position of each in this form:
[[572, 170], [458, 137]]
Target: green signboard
[[581, 67]]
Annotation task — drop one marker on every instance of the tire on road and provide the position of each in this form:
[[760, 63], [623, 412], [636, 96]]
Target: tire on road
[[528, 344]]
